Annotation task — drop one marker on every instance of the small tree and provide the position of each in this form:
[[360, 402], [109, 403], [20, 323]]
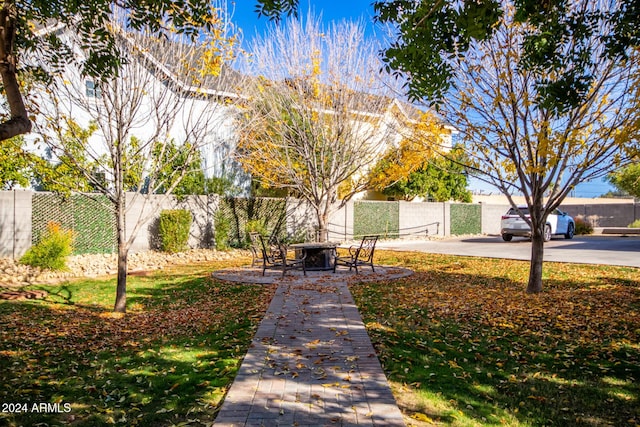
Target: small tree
[[522, 144], [170, 93], [16, 170], [627, 179], [172, 158], [440, 179], [319, 117], [62, 174], [422, 165]]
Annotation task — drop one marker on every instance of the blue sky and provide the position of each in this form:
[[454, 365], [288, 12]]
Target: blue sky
[[247, 19], [590, 189]]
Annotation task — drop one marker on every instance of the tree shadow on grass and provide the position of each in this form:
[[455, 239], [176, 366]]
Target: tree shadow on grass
[[155, 366]]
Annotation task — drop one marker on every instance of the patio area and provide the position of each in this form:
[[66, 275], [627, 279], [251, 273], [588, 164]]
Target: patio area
[[342, 275], [311, 362]]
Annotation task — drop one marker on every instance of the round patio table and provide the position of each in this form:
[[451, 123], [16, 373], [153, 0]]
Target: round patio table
[[320, 255]]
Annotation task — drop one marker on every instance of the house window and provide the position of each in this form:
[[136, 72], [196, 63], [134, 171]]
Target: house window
[[93, 90]]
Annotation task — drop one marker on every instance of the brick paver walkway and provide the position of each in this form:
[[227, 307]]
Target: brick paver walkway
[[311, 362]]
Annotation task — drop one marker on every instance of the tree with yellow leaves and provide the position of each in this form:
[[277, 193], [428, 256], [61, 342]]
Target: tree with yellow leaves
[[317, 113], [522, 144], [422, 164], [440, 178]]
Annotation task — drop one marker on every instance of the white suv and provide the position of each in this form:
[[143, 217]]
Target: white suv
[[558, 222]]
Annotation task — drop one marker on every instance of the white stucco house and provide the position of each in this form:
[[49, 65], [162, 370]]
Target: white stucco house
[[160, 96]]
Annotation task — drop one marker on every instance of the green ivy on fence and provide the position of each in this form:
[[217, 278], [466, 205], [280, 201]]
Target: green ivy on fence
[[237, 212], [93, 222], [465, 219], [88, 215], [381, 218]]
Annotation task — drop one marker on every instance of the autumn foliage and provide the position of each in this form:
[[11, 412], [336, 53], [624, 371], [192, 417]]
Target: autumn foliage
[[460, 341], [467, 343], [422, 167], [315, 119]]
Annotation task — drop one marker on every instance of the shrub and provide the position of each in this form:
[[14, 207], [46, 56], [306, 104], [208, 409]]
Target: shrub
[[173, 230], [257, 226], [583, 227], [222, 230], [50, 252], [254, 226], [634, 224]]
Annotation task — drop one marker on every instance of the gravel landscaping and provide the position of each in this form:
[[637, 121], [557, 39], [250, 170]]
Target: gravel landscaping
[[14, 274]]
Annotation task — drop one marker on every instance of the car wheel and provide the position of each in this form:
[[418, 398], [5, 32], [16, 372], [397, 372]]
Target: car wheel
[[547, 233], [507, 237], [570, 231]]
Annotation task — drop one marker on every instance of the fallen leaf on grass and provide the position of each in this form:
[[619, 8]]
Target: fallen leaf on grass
[[421, 417]]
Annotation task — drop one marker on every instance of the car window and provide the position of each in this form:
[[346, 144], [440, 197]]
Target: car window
[[512, 211]]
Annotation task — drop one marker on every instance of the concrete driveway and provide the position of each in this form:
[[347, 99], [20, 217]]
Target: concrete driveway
[[610, 250]]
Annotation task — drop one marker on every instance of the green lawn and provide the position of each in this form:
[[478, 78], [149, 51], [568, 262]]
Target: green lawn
[[460, 340], [464, 345], [168, 361]]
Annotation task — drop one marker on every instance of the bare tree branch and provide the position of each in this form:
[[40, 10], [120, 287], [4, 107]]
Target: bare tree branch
[[317, 115]]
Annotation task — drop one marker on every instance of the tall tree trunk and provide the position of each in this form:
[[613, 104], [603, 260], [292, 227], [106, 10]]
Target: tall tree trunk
[[537, 252], [121, 287], [323, 213], [19, 122], [323, 227], [123, 251]]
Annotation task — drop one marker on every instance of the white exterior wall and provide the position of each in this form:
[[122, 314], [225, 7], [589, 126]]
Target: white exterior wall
[[197, 114], [15, 223], [422, 219]]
